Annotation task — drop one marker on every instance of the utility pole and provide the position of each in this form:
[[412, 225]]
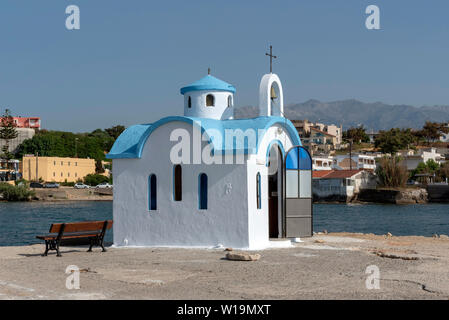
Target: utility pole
[[350, 154], [37, 166]]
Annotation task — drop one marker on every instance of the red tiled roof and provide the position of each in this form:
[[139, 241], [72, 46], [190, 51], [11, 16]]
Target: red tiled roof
[[320, 173], [339, 174]]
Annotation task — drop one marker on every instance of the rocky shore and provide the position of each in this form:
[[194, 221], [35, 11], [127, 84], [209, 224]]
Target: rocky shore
[[72, 194], [325, 266], [393, 196], [381, 195]]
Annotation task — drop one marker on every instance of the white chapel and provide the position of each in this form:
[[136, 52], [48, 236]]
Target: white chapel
[[205, 179]]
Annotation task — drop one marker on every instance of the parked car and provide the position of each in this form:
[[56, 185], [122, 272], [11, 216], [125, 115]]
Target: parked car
[[80, 185], [104, 185], [36, 185], [51, 185]]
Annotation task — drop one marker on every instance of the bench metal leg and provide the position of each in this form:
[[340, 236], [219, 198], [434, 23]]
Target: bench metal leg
[[91, 245], [46, 249], [58, 254]]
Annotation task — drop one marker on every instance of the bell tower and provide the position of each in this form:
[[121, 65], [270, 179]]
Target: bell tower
[[271, 98]]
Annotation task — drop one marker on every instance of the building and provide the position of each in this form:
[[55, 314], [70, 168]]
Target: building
[[56, 169], [205, 179], [322, 162], [411, 159], [319, 137], [356, 161], [9, 170], [26, 122], [341, 185]]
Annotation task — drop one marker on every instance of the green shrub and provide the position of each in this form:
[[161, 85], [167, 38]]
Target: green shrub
[[21, 181], [95, 179], [392, 172], [67, 184], [15, 193]]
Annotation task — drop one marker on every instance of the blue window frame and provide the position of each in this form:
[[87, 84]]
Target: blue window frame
[[202, 191], [298, 175], [258, 190], [152, 192]]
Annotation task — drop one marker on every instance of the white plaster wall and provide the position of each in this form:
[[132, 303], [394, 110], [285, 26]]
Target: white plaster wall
[[219, 111], [178, 223], [258, 218]]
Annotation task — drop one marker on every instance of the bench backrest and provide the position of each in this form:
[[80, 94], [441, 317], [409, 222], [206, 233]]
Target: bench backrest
[[80, 226]]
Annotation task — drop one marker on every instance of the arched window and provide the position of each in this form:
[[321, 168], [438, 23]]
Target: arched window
[[202, 191], [229, 101], [177, 183], [258, 191], [152, 193], [210, 100], [189, 102]]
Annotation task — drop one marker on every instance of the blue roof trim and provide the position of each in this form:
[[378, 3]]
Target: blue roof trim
[[131, 142], [126, 145], [209, 83]]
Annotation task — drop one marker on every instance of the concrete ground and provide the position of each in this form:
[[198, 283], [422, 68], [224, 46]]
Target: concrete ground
[[329, 266]]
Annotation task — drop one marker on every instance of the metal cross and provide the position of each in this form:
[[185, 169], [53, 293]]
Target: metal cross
[[271, 58]]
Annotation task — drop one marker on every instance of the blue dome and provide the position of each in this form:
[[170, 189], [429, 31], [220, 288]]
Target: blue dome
[[209, 83]]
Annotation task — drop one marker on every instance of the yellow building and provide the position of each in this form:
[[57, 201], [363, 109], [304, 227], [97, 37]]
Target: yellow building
[[56, 169]]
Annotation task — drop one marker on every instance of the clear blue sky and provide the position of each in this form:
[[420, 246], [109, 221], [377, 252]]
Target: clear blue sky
[[129, 59]]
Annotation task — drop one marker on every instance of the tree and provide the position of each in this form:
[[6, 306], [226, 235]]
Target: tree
[[392, 172], [99, 166], [115, 131], [443, 172], [7, 132], [393, 140], [432, 131], [358, 135], [430, 167], [92, 145], [95, 179]]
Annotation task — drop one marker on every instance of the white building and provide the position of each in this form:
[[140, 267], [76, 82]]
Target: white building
[[341, 185], [358, 161], [412, 159], [322, 162], [22, 135], [205, 179]]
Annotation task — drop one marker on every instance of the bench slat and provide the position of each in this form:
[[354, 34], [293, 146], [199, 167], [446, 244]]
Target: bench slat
[[67, 235], [80, 226]]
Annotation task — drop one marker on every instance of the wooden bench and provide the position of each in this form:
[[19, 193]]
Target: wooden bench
[[94, 231]]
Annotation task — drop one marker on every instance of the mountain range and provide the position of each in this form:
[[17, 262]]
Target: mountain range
[[351, 113]]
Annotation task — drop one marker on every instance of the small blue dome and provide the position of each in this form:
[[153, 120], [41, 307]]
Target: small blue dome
[[209, 83]]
